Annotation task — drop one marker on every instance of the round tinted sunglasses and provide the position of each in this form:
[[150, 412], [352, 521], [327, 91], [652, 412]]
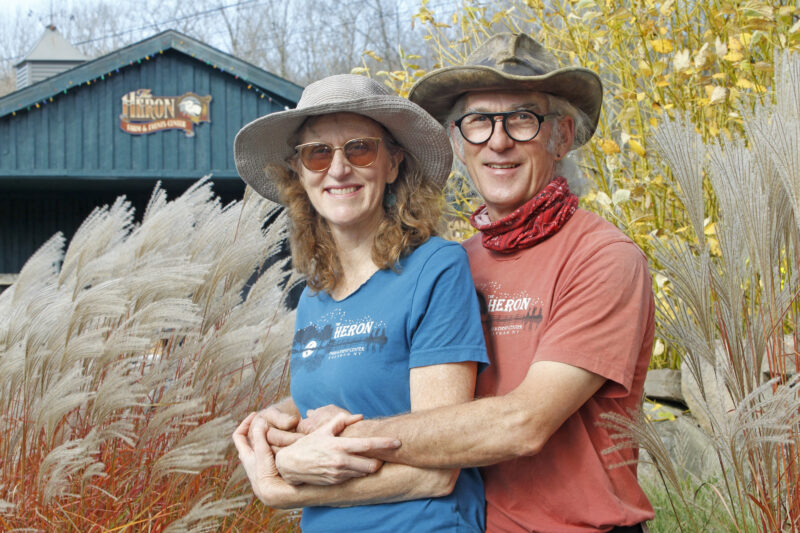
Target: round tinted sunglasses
[[318, 156]]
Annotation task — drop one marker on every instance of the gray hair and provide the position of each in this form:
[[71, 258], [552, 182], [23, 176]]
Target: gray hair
[[567, 166]]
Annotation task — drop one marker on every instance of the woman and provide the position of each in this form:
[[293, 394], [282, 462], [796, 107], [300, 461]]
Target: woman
[[389, 321]]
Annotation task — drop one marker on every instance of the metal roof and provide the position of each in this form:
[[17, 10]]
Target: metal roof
[[53, 47]]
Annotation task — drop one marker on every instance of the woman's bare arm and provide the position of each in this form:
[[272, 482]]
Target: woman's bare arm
[[431, 387]]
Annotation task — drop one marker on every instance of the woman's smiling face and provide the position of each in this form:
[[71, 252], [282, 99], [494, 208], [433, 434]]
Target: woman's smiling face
[[348, 197]]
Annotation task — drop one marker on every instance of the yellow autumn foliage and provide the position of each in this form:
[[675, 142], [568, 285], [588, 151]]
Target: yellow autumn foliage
[[658, 59]]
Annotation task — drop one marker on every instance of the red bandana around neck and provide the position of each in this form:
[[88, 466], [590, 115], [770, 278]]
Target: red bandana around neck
[[534, 221]]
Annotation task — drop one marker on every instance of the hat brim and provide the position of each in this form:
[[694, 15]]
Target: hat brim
[[265, 141], [437, 91]]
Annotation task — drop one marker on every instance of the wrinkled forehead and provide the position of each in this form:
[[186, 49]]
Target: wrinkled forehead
[[497, 101]]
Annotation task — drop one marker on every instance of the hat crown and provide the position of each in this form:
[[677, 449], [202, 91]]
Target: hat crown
[[516, 54], [341, 88]]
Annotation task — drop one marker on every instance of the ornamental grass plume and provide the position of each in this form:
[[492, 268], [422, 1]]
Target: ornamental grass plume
[[735, 318], [127, 360]]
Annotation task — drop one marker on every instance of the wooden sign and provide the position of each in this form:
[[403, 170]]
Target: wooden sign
[[143, 113]]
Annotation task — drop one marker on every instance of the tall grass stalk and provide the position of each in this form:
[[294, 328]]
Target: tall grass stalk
[[127, 359], [735, 314]]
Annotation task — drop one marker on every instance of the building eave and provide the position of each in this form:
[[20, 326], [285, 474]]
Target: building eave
[[78, 76]]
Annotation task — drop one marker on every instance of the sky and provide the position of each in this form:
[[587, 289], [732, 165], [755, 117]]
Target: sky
[[9, 6]]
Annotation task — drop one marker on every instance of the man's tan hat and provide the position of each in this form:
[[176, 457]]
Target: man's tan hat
[[510, 62], [264, 143]]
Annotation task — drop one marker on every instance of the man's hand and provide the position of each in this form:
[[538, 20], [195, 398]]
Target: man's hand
[[322, 458], [316, 418]]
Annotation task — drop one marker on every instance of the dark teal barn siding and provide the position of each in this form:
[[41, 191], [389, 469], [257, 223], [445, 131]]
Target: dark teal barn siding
[[61, 160], [78, 136]]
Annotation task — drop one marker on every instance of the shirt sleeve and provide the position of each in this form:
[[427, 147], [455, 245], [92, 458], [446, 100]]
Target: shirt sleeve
[[602, 317], [445, 325]]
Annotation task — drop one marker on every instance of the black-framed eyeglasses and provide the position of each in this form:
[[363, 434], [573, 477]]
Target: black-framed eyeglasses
[[318, 156], [521, 126]]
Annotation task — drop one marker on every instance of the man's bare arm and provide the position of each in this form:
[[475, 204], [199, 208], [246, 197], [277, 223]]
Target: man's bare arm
[[488, 430]]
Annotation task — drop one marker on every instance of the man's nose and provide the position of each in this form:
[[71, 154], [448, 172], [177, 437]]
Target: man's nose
[[499, 140]]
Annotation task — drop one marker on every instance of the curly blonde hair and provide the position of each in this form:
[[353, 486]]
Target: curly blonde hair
[[410, 221]]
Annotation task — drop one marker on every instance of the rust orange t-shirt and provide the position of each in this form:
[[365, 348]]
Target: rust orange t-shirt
[[582, 297]]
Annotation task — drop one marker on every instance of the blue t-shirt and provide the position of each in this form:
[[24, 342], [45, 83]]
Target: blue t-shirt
[[357, 354]]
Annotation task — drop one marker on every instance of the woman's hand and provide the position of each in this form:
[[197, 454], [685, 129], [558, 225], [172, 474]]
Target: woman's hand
[[316, 418], [257, 459], [282, 427], [322, 458]]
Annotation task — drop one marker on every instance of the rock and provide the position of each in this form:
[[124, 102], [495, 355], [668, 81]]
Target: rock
[[718, 402], [664, 384], [688, 446], [786, 361]]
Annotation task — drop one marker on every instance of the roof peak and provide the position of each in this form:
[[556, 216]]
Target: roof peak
[[52, 46]]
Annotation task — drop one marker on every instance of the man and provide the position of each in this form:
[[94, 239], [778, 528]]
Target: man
[[567, 310]]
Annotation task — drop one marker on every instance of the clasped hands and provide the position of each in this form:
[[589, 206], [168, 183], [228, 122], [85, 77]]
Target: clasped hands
[[279, 451]]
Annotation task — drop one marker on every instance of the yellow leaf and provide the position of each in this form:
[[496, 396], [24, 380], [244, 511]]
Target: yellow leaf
[[636, 147], [733, 56], [653, 121], [745, 40], [744, 84], [713, 246], [656, 412], [735, 44], [373, 55], [645, 69], [710, 229], [662, 46], [640, 96], [667, 8], [609, 146]]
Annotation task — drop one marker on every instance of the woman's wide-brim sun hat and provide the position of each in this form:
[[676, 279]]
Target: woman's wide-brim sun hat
[[510, 62], [264, 143]]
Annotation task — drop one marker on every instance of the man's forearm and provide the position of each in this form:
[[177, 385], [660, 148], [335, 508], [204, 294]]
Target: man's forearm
[[477, 433], [488, 430]]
